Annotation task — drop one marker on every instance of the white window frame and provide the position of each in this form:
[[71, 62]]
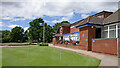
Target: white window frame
[[108, 30]]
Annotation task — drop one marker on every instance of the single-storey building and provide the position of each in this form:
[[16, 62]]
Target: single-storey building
[[98, 33]]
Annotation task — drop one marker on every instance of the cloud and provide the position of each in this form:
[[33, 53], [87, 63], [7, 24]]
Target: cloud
[[12, 26], [84, 15], [6, 18], [37, 8], [1, 23], [26, 28]]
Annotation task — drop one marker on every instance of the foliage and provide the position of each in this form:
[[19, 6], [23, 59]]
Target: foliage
[[36, 32], [43, 44], [57, 25], [16, 34], [74, 43], [5, 36]]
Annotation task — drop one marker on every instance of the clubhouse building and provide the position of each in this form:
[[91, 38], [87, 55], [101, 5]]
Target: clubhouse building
[[98, 33]]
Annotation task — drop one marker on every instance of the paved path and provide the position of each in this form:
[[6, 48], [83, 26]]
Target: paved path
[[106, 60]]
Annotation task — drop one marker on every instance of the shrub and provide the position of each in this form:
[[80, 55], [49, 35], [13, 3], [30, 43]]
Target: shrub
[[74, 43], [61, 42], [66, 42], [5, 40], [43, 44]]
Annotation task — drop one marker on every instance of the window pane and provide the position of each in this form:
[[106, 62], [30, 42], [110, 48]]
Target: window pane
[[105, 34], [105, 28], [112, 27], [119, 33], [119, 25], [112, 33]]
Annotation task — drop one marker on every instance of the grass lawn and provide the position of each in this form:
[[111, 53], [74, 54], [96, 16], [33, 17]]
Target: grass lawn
[[13, 43], [44, 56]]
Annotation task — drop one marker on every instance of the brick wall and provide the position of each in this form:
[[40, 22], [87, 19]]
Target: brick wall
[[74, 29], [87, 33], [54, 40], [66, 30], [105, 46]]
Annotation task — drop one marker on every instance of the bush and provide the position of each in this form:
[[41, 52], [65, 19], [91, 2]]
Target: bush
[[43, 44], [74, 43], [61, 42], [5, 40], [66, 42]]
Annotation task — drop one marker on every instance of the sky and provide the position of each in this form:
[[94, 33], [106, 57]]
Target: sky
[[21, 12]]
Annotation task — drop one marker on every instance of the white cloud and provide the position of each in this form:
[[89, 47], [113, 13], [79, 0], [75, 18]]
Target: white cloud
[[6, 18], [38, 8], [55, 21], [26, 28], [46, 21], [84, 15], [1, 23], [17, 19], [12, 26]]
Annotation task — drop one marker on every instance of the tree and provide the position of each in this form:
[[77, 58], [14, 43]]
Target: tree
[[57, 25], [5, 36], [48, 33], [16, 34], [36, 32]]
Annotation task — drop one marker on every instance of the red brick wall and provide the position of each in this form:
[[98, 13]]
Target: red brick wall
[[54, 40], [74, 29], [89, 34], [66, 30], [105, 46]]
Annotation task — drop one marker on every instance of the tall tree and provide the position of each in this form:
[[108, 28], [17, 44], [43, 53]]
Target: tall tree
[[35, 30], [5, 36], [57, 26], [17, 34]]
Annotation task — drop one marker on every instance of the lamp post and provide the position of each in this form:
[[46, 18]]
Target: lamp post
[[42, 24]]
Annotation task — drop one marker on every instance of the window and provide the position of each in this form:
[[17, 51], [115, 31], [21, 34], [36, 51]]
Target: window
[[109, 31], [73, 37], [112, 34], [105, 32]]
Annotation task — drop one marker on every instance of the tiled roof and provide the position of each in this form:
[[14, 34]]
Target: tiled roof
[[91, 20], [65, 24], [115, 17]]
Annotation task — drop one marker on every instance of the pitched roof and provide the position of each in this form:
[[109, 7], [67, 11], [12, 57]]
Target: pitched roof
[[91, 20], [115, 17], [65, 24]]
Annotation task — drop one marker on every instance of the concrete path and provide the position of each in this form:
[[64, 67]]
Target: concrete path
[[106, 60]]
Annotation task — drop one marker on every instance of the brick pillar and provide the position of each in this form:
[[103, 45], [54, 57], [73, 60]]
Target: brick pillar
[[54, 40], [87, 33]]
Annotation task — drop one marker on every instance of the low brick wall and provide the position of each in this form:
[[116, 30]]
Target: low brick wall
[[105, 46], [72, 46]]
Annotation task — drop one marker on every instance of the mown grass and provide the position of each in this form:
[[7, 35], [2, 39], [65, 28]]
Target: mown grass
[[13, 43], [44, 56]]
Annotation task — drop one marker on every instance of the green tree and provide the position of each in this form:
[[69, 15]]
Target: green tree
[[57, 26], [16, 34], [5, 36], [36, 31]]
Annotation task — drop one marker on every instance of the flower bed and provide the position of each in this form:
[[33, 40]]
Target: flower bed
[[42, 44]]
